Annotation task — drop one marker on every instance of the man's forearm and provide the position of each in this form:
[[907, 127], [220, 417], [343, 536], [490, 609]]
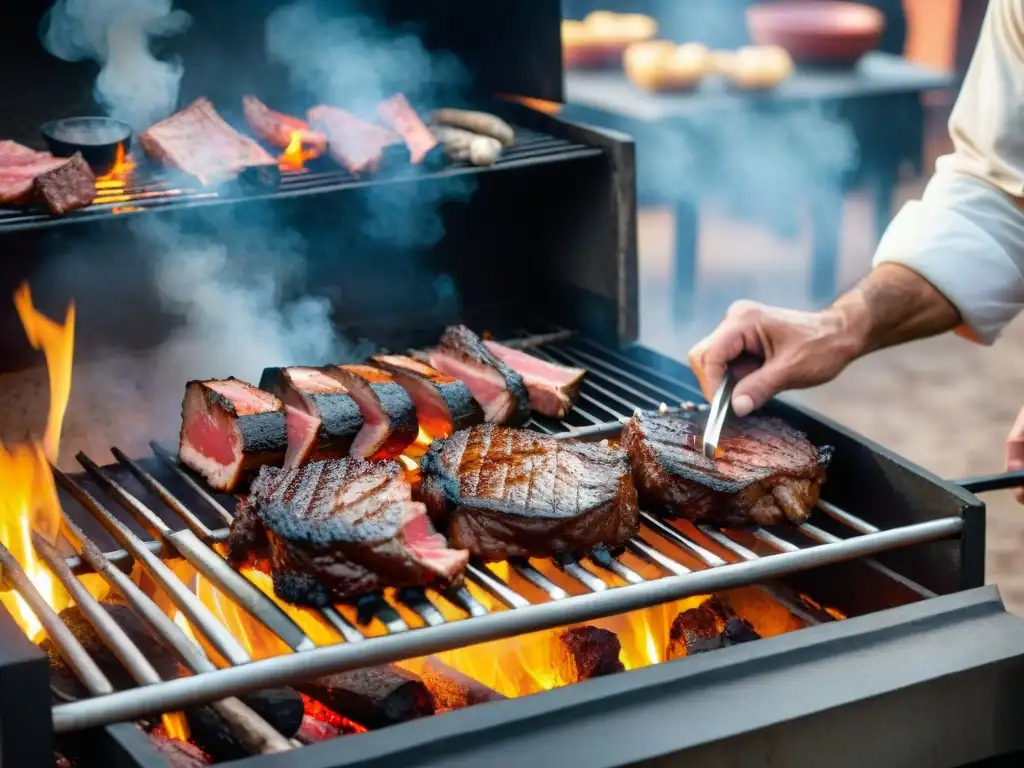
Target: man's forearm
[[893, 305]]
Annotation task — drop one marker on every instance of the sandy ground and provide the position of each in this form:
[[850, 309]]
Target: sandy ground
[[943, 403]]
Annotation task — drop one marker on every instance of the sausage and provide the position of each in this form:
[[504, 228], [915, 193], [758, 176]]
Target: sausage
[[478, 122], [465, 146]]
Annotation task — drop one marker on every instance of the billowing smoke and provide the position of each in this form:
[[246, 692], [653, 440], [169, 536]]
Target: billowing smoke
[[133, 85]]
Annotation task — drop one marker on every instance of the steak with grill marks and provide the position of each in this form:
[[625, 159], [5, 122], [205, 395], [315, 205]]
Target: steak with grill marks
[[500, 391], [767, 472], [508, 492], [334, 530]]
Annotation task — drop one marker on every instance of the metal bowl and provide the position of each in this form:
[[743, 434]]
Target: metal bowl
[[101, 140]]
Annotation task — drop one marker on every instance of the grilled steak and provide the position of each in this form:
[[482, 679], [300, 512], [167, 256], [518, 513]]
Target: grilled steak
[[278, 128], [27, 176], [229, 429], [389, 415], [67, 187], [399, 114], [354, 144], [711, 625], [509, 492], [338, 529], [199, 142], [767, 472], [553, 388], [323, 419], [443, 403], [499, 390]]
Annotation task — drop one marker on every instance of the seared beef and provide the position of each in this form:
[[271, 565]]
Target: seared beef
[[509, 492], [278, 128], [355, 144], [61, 184], [229, 429], [198, 141], [399, 114], [766, 473], [443, 403], [553, 388], [583, 653], [335, 530], [323, 419], [499, 390], [389, 415], [711, 625]]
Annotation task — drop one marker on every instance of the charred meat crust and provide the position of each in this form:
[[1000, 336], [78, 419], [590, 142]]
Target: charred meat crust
[[459, 341], [263, 433], [375, 390], [768, 473], [463, 410], [340, 417], [507, 492]]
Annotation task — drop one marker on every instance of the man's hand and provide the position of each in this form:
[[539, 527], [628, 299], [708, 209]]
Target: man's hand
[[890, 306], [800, 349], [1015, 452]]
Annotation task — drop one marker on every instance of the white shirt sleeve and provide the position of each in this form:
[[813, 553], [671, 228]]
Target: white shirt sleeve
[[966, 234]]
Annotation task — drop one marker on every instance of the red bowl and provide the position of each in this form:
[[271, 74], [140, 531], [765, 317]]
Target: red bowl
[[817, 31]]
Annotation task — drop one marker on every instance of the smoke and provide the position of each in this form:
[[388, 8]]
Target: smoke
[[132, 85]]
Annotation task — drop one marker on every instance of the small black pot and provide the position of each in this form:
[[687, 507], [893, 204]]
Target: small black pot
[[97, 138]]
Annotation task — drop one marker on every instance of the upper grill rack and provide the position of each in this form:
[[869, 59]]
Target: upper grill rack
[[149, 188], [689, 560]]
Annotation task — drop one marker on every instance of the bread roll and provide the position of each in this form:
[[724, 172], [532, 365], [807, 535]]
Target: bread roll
[[661, 65], [759, 66], [600, 39]]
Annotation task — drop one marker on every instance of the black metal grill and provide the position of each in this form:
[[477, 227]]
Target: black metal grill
[[149, 188]]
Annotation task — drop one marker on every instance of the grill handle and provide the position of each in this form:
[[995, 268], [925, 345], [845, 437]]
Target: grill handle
[[986, 483]]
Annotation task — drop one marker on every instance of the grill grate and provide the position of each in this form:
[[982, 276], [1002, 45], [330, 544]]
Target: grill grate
[[597, 585], [150, 188]]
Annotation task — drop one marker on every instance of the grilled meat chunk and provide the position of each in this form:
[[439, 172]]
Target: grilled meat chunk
[[323, 419], [767, 472], [443, 403], [553, 388], [278, 128], [19, 168], [355, 144], [229, 429], [335, 530], [499, 390], [509, 492], [199, 142], [60, 184], [389, 415], [711, 625], [399, 114]]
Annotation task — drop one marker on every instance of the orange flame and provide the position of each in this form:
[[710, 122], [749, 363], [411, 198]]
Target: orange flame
[[28, 501], [296, 154]]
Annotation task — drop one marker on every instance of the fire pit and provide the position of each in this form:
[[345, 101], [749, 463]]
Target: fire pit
[[130, 639]]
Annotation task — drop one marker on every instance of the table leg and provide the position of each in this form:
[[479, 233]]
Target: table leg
[[826, 222], [884, 189], [684, 288]]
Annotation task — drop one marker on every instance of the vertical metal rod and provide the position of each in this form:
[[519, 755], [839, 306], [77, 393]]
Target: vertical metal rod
[[666, 531], [172, 462], [720, 538], [604, 560], [193, 522], [571, 568], [641, 548], [464, 599], [63, 639], [538, 579], [483, 576]]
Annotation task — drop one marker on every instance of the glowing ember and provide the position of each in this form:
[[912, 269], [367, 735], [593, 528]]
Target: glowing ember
[[296, 154], [29, 500]]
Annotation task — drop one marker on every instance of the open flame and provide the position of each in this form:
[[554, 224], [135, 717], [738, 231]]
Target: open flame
[[29, 501], [296, 154]]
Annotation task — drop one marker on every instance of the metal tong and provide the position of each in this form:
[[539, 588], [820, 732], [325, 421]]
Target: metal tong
[[722, 401]]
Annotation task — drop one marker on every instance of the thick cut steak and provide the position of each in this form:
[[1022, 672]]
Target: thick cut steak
[[59, 183], [199, 142], [399, 114], [499, 390], [355, 144], [553, 388], [229, 429], [323, 419], [509, 492], [389, 415], [766, 473], [443, 403], [278, 128], [335, 530]]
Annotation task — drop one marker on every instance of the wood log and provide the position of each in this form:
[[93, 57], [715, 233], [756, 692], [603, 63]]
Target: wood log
[[586, 652], [711, 625], [179, 754], [374, 697], [453, 690], [322, 724]]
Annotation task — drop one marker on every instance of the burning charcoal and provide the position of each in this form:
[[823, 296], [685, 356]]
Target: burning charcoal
[[710, 626], [374, 697], [179, 754], [586, 652], [281, 707], [321, 724], [453, 690]]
